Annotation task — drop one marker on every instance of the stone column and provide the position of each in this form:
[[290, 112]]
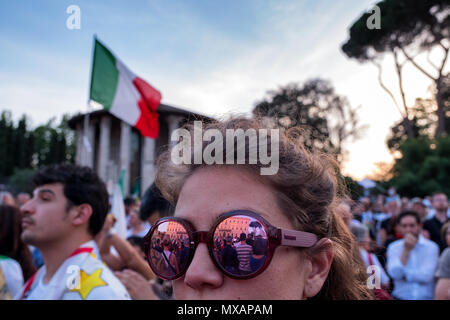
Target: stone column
[[103, 151], [173, 123], [89, 156], [124, 160], [79, 156], [83, 156], [148, 169]]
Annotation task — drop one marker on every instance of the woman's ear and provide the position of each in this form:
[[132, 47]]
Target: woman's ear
[[319, 266]]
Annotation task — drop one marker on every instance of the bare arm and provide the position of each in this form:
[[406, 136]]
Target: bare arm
[[131, 257], [104, 245], [442, 291]]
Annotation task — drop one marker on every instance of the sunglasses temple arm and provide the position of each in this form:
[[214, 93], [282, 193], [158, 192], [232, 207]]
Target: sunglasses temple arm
[[296, 238]]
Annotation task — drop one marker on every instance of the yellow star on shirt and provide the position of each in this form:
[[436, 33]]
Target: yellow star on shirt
[[89, 282]]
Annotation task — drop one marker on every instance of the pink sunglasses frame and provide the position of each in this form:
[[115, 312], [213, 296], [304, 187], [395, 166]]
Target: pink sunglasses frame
[[275, 237]]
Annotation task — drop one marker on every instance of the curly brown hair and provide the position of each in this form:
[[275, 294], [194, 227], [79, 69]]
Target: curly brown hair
[[307, 189]]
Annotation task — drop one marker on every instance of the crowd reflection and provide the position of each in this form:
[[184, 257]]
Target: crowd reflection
[[239, 246]]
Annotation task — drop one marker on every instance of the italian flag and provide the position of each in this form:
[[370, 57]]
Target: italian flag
[[122, 93]]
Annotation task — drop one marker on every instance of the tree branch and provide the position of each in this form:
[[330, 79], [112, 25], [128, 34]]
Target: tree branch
[[416, 65], [398, 68], [431, 62], [389, 92], [443, 60]]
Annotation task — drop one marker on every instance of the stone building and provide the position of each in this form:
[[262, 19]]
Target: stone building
[[119, 150]]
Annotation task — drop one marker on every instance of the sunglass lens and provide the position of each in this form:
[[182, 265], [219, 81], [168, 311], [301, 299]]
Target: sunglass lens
[[240, 245], [170, 249]]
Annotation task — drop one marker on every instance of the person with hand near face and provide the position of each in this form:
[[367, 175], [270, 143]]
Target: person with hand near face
[[412, 261]]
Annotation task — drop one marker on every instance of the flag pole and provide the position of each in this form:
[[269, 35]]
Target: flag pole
[[86, 143]]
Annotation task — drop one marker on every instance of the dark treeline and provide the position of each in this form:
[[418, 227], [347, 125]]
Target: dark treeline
[[24, 149]]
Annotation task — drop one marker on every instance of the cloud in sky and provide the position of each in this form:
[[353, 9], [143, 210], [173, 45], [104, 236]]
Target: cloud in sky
[[212, 57]]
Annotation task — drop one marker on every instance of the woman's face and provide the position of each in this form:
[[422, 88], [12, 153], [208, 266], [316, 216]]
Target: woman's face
[[210, 192]]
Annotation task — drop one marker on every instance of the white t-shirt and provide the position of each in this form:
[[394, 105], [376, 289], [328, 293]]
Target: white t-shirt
[[82, 276], [12, 273]]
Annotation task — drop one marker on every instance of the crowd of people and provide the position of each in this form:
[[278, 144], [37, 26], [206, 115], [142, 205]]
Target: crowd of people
[[60, 242], [406, 239]]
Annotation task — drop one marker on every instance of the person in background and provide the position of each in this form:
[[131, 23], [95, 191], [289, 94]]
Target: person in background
[[22, 198], [361, 234], [367, 217], [129, 204], [137, 227], [258, 257], [412, 261], [431, 207], [445, 234], [357, 210], [128, 257], [392, 195], [7, 198], [67, 211], [418, 206], [343, 209], [154, 206], [138, 244], [386, 229], [16, 264], [229, 256], [404, 204], [250, 239], [433, 226], [130, 264], [244, 252], [184, 252], [379, 204], [442, 291]]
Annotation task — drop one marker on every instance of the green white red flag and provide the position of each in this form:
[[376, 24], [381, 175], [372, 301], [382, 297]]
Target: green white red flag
[[122, 93]]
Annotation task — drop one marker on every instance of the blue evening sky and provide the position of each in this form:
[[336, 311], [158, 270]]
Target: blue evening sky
[[213, 57]]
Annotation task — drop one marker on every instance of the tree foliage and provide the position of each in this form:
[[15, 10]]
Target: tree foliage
[[408, 28], [423, 122], [326, 117], [23, 149], [424, 167]]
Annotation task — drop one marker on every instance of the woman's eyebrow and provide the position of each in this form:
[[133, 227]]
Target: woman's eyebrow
[[257, 211]]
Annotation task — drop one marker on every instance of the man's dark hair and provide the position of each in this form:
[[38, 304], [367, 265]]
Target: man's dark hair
[[243, 236], [153, 201], [136, 241], [408, 213], [129, 201], [80, 185]]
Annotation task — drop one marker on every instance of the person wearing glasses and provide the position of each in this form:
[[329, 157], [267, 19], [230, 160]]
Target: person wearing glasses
[[309, 252]]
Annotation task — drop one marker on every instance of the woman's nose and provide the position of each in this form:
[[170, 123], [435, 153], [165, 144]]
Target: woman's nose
[[202, 273]]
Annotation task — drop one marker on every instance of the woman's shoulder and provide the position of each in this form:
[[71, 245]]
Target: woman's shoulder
[[445, 255]]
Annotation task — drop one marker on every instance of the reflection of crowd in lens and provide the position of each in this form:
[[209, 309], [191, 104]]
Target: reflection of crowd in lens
[[170, 253], [243, 255]]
